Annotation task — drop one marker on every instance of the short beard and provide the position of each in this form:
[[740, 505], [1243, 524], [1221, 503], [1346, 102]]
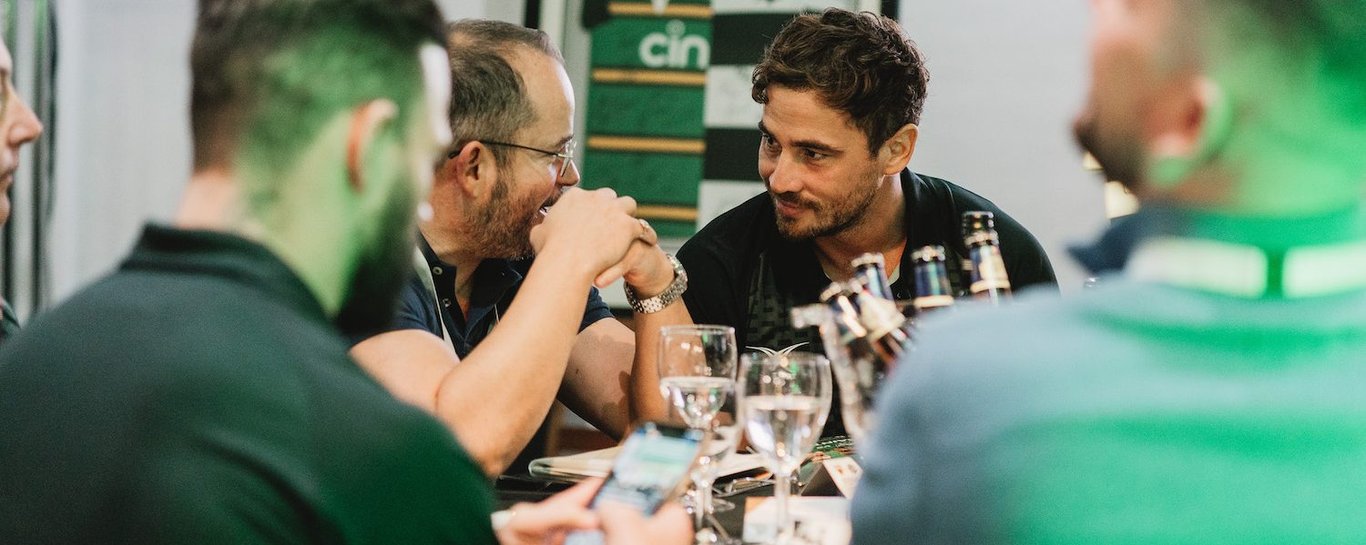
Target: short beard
[[830, 220], [500, 230], [383, 269]]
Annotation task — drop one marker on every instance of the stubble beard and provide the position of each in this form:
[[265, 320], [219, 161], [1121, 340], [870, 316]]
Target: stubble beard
[[1119, 156]]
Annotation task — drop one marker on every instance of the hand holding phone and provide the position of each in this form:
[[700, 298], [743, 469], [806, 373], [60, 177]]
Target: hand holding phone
[[652, 467]]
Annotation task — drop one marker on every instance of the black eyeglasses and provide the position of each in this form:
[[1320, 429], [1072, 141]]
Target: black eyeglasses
[[564, 158]]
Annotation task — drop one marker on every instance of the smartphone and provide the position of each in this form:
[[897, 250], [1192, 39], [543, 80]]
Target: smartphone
[[652, 467]]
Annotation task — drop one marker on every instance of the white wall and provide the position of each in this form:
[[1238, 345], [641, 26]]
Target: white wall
[[123, 140], [1006, 78], [122, 133]]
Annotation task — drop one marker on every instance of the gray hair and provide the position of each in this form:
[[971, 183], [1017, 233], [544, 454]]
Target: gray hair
[[488, 97]]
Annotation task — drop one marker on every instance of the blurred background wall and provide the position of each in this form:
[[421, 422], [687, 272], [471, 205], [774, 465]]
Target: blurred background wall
[[1006, 78], [1001, 99]]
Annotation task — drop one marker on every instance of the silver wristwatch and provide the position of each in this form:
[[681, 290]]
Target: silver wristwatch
[[670, 294]]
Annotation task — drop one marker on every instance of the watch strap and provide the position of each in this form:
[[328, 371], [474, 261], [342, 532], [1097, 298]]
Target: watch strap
[[670, 294]]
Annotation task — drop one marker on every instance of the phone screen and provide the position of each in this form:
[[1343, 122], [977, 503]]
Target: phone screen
[[653, 461]]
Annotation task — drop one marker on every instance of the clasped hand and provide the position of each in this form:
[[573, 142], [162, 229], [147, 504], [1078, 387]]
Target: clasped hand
[[599, 231]]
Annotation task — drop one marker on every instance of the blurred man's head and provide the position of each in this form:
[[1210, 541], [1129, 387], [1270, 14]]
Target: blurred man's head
[[1252, 106], [325, 109], [842, 93], [18, 126], [512, 119]]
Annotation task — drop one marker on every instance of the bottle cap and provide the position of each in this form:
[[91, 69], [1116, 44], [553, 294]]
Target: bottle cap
[[865, 259], [978, 220], [928, 253], [835, 289]]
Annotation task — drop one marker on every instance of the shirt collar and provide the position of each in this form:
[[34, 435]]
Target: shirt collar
[[492, 279], [224, 255], [1240, 256]]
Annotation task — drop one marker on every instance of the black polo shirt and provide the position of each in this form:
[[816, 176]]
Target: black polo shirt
[[200, 395], [743, 273]]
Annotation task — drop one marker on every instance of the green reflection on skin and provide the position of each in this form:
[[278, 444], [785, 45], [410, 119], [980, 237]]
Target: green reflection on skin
[[292, 87], [1287, 131], [329, 74]]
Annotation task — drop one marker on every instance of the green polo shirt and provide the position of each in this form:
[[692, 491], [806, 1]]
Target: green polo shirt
[[1167, 405], [200, 395]]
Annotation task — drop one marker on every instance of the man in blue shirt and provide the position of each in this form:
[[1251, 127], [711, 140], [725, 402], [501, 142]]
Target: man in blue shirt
[[519, 332], [1209, 390]]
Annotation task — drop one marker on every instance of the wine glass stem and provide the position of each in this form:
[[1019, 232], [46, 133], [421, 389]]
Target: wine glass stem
[[782, 486], [703, 497]]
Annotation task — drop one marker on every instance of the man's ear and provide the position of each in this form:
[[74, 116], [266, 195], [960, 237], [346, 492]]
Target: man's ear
[[1191, 127], [896, 152], [367, 122], [473, 168]]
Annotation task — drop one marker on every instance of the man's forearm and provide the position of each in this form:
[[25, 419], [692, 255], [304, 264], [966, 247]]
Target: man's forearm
[[498, 396]]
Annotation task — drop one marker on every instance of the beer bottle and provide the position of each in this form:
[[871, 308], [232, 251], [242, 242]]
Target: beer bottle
[[988, 280], [932, 289], [867, 324], [871, 272]]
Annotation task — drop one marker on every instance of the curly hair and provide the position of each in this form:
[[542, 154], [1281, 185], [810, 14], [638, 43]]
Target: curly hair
[[859, 63]]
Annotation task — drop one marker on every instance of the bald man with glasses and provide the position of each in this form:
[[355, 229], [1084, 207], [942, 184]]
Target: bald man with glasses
[[486, 337]]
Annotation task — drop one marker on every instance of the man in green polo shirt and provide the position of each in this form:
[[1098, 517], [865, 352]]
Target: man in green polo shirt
[[1209, 390], [202, 393]]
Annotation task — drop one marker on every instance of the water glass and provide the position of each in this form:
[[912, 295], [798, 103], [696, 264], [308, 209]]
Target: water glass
[[784, 400], [697, 377]]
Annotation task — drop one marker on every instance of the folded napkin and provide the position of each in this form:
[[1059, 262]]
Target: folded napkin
[[597, 463]]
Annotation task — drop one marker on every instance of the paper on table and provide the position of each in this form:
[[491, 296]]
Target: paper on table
[[820, 521], [598, 463]]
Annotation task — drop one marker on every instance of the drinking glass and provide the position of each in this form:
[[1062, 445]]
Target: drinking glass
[[697, 377], [784, 400]]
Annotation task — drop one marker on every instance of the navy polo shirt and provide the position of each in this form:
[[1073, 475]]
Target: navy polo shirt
[[496, 282]]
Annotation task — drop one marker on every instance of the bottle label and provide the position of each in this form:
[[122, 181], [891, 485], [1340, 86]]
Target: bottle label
[[991, 273], [932, 301]]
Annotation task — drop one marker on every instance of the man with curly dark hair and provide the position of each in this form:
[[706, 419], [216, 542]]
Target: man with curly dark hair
[[842, 93]]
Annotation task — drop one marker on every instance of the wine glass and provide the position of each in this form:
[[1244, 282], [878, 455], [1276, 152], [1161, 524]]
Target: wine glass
[[784, 400], [697, 377]]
